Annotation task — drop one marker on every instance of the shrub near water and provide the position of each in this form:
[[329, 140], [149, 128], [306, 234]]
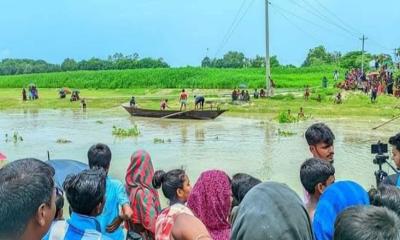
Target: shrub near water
[[189, 77]]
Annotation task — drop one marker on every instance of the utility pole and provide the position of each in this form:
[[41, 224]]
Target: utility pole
[[267, 62], [362, 53]]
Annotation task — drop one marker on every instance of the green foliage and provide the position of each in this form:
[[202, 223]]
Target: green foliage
[[284, 133], [161, 140], [354, 59], [210, 78], [129, 132], [285, 117], [63, 141], [319, 56]]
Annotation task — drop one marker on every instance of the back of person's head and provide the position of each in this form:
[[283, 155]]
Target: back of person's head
[[85, 191], [314, 173], [272, 211], [59, 205], [99, 155], [386, 196], [319, 133], [241, 184], [26, 195], [362, 222], [395, 141], [172, 184]]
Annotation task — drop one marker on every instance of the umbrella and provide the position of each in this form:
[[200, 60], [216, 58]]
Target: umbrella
[[242, 86], [2, 157], [65, 167]]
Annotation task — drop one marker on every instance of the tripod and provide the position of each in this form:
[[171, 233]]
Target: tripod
[[380, 175]]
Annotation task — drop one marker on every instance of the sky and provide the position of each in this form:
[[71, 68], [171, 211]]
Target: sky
[[183, 32]]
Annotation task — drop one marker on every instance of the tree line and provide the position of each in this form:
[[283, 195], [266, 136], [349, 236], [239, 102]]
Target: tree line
[[117, 61]]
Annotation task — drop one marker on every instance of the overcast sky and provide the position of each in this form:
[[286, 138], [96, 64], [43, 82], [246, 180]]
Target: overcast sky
[[181, 31]]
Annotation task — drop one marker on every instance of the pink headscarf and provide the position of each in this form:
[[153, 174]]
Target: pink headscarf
[[210, 201]]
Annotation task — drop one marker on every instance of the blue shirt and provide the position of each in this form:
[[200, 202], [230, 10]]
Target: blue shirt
[[115, 196], [78, 227]]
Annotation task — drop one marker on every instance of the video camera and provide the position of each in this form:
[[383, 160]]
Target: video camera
[[380, 149]]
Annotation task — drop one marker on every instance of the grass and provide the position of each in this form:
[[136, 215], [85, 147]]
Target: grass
[[189, 77], [354, 104]]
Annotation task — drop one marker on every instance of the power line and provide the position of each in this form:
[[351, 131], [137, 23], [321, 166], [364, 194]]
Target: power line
[[234, 28], [231, 26]]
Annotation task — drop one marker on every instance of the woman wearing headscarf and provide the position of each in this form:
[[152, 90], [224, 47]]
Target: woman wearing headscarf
[[210, 201], [335, 199], [143, 196], [272, 211]]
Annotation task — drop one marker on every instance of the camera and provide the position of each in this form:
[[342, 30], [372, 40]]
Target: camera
[[379, 148]]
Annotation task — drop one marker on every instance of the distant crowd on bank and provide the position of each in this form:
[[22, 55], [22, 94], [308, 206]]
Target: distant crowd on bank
[[217, 206]]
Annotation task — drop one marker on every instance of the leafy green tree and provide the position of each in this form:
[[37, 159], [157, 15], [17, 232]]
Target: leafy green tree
[[317, 56], [69, 64], [353, 60], [233, 59], [206, 62]]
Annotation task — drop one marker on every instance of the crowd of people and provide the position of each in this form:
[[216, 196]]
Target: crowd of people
[[216, 207], [374, 83], [244, 95]]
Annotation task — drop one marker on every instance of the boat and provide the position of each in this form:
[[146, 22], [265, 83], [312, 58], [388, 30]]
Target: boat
[[190, 114]]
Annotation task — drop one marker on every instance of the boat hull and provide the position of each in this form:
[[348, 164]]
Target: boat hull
[[192, 114]]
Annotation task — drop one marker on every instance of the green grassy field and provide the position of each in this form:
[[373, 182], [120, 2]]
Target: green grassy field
[[207, 78], [354, 105]]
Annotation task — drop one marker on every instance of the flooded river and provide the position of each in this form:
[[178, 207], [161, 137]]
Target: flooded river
[[248, 144]]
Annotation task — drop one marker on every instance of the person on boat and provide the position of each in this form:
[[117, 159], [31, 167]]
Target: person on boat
[[210, 201], [301, 114], [164, 104], [315, 176], [143, 196], [86, 194], [183, 99], [272, 211], [320, 139], [198, 102], [23, 94], [99, 156], [27, 199], [177, 221], [367, 222], [132, 102], [241, 184]]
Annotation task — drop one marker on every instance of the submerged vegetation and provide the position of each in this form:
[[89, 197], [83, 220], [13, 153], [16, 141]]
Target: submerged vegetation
[[63, 141], [129, 132], [15, 138], [161, 140]]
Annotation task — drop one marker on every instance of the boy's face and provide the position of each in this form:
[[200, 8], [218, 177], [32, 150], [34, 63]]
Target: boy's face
[[396, 156], [323, 151]]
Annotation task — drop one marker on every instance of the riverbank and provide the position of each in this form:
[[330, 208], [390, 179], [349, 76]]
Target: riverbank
[[355, 104]]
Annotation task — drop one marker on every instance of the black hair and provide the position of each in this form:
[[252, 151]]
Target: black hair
[[395, 141], [25, 184], [385, 196], [367, 222], [319, 133], [170, 182], [314, 171], [59, 202], [99, 155], [241, 184], [85, 190]]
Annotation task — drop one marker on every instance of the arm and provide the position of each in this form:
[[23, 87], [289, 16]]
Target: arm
[[123, 201], [188, 227]]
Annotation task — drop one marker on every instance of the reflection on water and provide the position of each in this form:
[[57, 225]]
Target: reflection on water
[[250, 145]]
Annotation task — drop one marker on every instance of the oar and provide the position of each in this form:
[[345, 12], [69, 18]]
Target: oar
[[386, 122], [176, 114]]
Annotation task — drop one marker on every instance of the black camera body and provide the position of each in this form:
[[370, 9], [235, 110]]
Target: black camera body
[[380, 149]]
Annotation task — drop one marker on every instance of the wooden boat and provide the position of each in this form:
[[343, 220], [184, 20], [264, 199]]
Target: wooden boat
[[190, 114]]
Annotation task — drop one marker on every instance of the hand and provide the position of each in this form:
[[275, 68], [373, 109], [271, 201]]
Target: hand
[[114, 224], [127, 212]]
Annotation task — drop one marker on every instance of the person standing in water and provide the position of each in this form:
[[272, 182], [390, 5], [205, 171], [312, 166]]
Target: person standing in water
[[183, 99]]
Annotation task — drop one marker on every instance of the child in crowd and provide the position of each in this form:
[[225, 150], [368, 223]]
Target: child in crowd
[[177, 221]]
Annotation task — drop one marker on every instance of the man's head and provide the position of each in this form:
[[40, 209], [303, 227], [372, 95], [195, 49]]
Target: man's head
[[85, 191], [316, 175], [99, 156], [386, 196], [395, 142], [367, 222], [320, 140], [27, 199]]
